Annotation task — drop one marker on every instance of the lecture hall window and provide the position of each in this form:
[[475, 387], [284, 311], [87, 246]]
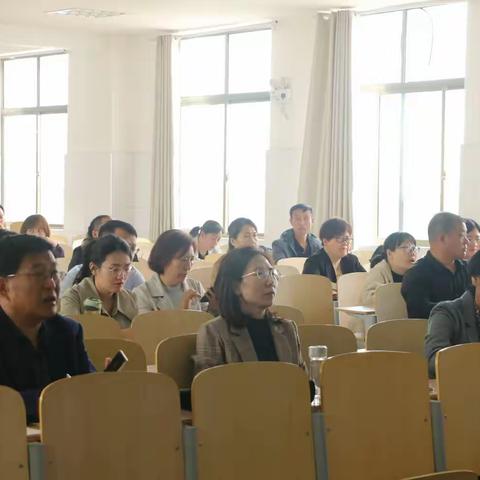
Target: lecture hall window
[[224, 128], [409, 72], [34, 136]]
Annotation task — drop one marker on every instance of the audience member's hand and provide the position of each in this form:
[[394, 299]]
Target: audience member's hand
[[107, 361], [188, 296]]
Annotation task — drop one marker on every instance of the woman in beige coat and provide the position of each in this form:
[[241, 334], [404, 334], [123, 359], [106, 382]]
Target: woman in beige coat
[[389, 264]]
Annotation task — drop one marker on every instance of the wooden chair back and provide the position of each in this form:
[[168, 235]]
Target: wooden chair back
[[337, 339], [149, 329], [406, 335], [213, 257], [287, 270], [349, 287], [15, 226], [253, 421], [144, 246], [364, 254], [290, 313], [143, 268], [202, 275], [174, 358], [13, 439], [311, 294], [123, 425], [459, 393], [98, 326], [389, 303], [450, 475], [296, 262], [377, 415], [100, 348]]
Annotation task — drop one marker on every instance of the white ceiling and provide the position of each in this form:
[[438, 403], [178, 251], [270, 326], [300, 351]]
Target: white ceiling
[[149, 15]]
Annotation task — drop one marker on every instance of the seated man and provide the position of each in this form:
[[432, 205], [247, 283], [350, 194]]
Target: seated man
[[297, 241], [37, 346], [455, 322], [441, 274], [129, 234]]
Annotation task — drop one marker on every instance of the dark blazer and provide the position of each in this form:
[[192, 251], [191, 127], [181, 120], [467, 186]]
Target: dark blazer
[[284, 247], [28, 370], [451, 323], [320, 264]]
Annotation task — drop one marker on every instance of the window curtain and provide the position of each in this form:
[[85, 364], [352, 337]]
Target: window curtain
[[161, 211], [326, 167]]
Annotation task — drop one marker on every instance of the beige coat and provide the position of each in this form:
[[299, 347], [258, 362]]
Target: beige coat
[[125, 307], [152, 296], [380, 274], [217, 344]]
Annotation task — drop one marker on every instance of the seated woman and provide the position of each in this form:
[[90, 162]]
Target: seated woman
[[455, 321], [206, 238], [37, 225], [108, 262], [334, 258], [389, 264], [246, 330], [242, 232], [92, 234], [473, 235], [171, 259]]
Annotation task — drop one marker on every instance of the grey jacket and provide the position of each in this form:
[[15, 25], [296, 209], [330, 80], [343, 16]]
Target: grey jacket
[[284, 247], [451, 323]]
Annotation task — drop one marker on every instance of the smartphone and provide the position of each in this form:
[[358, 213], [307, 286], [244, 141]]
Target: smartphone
[[204, 299], [118, 361]]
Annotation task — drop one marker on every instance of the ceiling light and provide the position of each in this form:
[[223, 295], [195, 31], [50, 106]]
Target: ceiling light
[[85, 12]]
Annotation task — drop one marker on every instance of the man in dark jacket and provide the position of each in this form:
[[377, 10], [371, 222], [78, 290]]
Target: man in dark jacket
[[297, 241], [37, 346]]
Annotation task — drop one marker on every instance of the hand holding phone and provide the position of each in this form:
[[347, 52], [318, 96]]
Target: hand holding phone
[[117, 362]]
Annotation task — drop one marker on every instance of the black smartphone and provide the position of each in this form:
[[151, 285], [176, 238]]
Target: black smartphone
[[117, 362], [204, 299]]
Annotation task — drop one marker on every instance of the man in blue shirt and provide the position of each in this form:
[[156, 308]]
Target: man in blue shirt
[[37, 346]]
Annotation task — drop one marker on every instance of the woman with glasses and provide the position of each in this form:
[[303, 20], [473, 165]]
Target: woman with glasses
[[246, 331], [171, 259], [473, 235], [389, 264], [99, 285], [334, 258]]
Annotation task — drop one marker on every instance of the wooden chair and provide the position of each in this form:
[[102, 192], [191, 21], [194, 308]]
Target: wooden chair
[[296, 262], [311, 294], [103, 426], [459, 393], [61, 239], [144, 246], [389, 303], [290, 313], [337, 339], [98, 326], [406, 335], [143, 268], [13, 440], [100, 348], [253, 421], [149, 329], [364, 254], [174, 358], [349, 287], [450, 475], [203, 275], [213, 257], [377, 416], [287, 270], [15, 226]]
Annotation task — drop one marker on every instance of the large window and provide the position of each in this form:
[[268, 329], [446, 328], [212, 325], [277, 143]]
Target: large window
[[409, 69], [34, 136], [224, 128]]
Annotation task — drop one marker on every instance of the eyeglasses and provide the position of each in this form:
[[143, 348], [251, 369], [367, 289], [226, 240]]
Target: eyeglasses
[[186, 259], [346, 240], [116, 271], [410, 248], [41, 276], [272, 274]]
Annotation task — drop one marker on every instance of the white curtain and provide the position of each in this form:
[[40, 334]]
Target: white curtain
[[161, 211], [326, 169]]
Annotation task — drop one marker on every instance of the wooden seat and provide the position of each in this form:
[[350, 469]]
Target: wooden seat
[[290, 313], [100, 348], [13, 441], [253, 421], [143, 268], [349, 287], [202, 275], [98, 326], [149, 329], [119, 426], [459, 394], [377, 416], [287, 270], [296, 262], [450, 475], [311, 294], [337, 339], [389, 303], [174, 358], [406, 335]]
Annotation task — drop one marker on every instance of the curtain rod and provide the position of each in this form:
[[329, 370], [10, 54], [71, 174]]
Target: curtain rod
[[408, 6], [202, 32]]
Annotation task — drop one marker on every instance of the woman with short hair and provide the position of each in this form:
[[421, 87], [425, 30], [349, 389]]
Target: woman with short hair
[[37, 225]]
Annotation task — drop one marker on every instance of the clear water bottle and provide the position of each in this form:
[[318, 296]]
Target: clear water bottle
[[317, 355], [92, 305]]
